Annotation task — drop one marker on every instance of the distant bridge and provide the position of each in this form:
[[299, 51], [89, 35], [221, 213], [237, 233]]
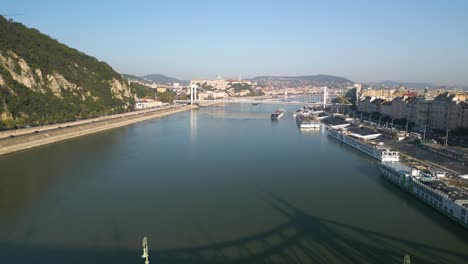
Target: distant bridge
[[248, 101], [284, 101]]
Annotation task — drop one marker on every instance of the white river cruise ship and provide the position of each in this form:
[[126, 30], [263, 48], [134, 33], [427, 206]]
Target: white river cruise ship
[[359, 139]]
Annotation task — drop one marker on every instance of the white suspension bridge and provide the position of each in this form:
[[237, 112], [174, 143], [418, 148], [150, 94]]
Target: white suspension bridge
[[239, 100]]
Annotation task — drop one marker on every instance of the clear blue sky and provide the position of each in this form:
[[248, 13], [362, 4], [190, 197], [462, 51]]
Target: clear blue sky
[[362, 40]]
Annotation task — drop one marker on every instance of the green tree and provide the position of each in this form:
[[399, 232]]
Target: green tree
[[143, 91], [240, 86], [167, 97], [208, 87], [351, 95]]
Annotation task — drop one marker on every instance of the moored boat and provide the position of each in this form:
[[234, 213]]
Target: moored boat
[[307, 122], [452, 201], [360, 139], [278, 114]]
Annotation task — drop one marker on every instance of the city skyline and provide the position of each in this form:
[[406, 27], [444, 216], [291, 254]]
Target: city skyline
[[421, 41]]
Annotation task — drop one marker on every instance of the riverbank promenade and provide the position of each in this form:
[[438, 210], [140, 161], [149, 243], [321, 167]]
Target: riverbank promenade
[[12, 141]]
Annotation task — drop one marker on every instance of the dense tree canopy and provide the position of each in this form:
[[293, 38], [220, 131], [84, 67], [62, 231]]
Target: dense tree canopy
[[21, 105], [142, 91], [241, 86]]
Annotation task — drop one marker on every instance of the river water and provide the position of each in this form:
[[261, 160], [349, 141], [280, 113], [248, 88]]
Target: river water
[[214, 185]]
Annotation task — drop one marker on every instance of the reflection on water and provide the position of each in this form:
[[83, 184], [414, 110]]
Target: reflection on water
[[215, 113], [310, 130], [213, 185], [193, 125]]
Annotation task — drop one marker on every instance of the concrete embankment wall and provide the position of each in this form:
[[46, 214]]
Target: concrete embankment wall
[[50, 136], [25, 131]]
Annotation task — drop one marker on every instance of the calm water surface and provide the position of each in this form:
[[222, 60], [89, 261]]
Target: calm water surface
[[214, 185]]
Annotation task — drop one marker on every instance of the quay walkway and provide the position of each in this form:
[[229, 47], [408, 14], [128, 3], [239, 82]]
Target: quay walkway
[[64, 131]]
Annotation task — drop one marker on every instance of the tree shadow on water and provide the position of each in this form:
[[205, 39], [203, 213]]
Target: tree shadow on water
[[343, 243], [303, 238]]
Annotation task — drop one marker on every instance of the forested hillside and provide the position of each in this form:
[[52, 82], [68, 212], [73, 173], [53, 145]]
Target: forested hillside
[[43, 81]]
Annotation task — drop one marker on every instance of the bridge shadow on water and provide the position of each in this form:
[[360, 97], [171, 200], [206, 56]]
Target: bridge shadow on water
[[303, 238]]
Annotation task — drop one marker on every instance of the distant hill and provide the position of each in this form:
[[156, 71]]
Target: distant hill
[[156, 78], [325, 78], [42, 80], [322, 78], [160, 78], [413, 85], [132, 77], [392, 84]]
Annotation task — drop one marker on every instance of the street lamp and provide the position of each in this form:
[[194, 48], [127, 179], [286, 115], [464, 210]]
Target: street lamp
[[380, 118], [370, 117], [446, 137], [424, 137]]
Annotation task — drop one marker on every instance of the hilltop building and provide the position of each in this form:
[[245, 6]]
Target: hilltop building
[[210, 95], [219, 83]]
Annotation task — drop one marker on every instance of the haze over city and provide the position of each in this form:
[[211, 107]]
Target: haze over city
[[365, 41]]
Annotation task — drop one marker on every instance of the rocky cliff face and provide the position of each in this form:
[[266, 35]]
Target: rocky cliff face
[[42, 80]]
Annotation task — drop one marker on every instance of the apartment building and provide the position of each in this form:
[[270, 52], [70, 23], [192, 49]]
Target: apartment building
[[449, 111], [418, 109], [446, 111]]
